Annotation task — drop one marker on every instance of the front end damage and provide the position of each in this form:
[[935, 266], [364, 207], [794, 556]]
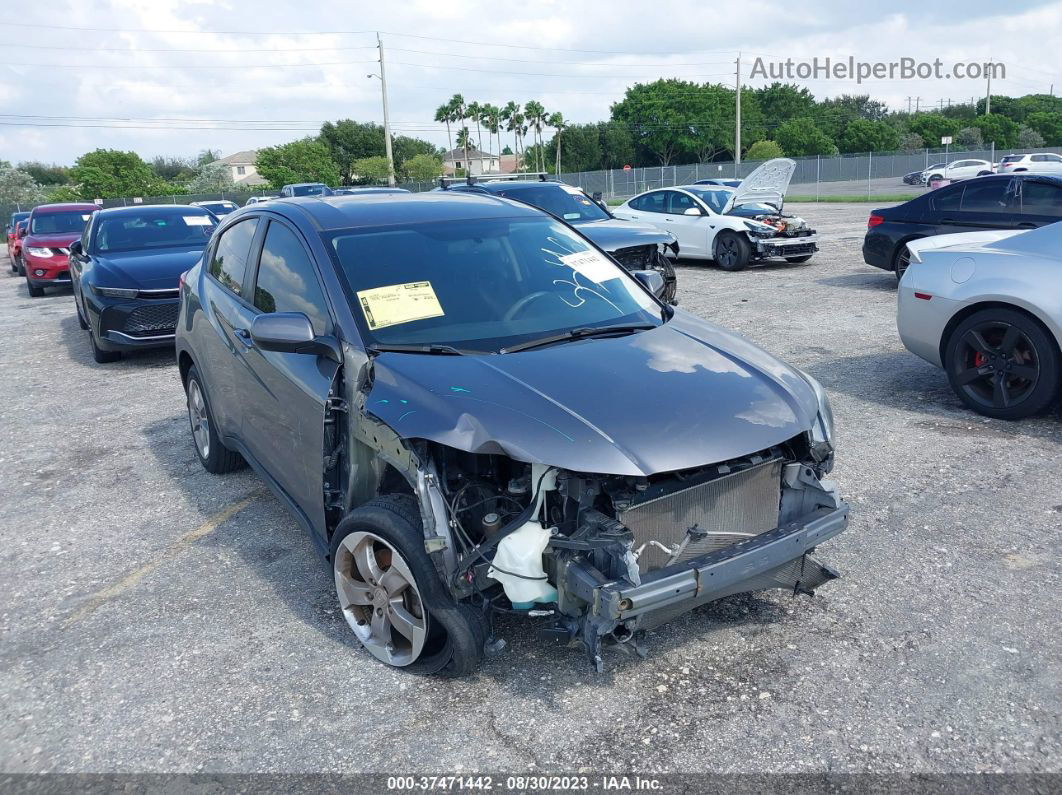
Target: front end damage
[[777, 235], [617, 554]]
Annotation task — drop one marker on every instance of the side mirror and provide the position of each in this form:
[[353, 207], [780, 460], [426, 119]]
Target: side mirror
[[292, 332], [651, 281], [692, 211], [75, 248]]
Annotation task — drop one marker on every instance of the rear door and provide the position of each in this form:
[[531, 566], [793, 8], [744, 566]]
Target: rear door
[[284, 409], [1041, 202], [649, 207], [226, 311], [975, 204]]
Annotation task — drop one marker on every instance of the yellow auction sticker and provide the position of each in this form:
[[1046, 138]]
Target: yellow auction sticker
[[399, 303]]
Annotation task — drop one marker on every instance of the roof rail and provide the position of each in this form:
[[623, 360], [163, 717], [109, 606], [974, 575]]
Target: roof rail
[[472, 179]]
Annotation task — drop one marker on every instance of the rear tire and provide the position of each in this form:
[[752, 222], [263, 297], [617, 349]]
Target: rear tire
[[901, 262], [215, 457], [732, 251], [1003, 364], [450, 637]]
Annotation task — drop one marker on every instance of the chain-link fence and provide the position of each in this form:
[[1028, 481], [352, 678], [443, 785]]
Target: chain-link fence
[[816, 178]]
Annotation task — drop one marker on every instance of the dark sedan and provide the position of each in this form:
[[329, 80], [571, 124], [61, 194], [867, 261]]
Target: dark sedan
[[1020, 201], [634, 246], [126, 270]]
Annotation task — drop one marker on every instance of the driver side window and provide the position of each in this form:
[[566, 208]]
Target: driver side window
[[680, 202]]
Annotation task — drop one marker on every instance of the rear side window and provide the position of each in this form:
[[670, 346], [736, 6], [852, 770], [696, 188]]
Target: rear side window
[[229, 263], [948, 199], [651, 202], [680, 202], [1041, 198], [1012, 159], [287, 281], [986, 197]]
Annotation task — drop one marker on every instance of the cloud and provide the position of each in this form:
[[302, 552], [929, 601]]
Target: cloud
[[607, 46]]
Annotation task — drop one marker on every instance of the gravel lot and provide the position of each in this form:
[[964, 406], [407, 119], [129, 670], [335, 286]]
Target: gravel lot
[[157, 618]]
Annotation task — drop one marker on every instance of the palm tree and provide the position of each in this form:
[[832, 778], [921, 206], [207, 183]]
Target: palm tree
[[519, 129], [509, 115], [464, 142], [442, 113], [475, 113], [536, 118], [556, 121], [458, 114], [492, 119]]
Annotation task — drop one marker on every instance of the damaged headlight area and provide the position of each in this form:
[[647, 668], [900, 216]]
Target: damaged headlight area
[[599, 559]]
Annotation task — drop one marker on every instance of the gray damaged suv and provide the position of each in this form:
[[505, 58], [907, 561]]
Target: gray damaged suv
[[471, 409]]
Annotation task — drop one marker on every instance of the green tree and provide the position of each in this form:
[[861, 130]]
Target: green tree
[[933, 126], [347, 140], [19, 189], [969, 138], [207, 156], [307, 160], [535, 113], [764, 150], [833, 115], [404, 148], [654, 113], [1048, 124], [997, 129], [174, 168], [910, 142], [371, 170], [422, 168], [801, 137], [109, 174], [442, 114], [862, 135], [46, 174], [781, 102], [211, 178], [1028, 138], [492, 120], [617, 144]]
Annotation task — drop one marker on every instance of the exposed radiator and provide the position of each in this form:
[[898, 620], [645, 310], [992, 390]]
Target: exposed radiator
[[729, 509]]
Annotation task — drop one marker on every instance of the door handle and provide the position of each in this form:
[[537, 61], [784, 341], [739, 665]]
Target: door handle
[[669, 219], [244, 336]]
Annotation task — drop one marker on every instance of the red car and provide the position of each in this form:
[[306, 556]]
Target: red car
[[46, 245], [14, 245], [11, 225]]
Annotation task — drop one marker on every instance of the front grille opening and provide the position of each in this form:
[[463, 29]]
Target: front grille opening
[[148, 321]]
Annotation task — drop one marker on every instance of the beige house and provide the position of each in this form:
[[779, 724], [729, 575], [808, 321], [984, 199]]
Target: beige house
[[479, 162], [243, 170]]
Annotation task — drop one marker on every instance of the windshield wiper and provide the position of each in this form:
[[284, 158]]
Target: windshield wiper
[[578, 334], [432, 348]]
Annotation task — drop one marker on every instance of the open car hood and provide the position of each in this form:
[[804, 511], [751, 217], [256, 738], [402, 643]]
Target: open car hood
[[682, 395], [766, 184]]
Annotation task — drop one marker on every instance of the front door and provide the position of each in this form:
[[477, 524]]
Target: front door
[[284, 414], [691, 231]]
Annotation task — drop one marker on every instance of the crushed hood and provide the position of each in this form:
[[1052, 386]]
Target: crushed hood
[[767, 183], [685, 394], [614, 234]]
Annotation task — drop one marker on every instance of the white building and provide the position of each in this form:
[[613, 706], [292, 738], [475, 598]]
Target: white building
[[478, 162], [243, 169]]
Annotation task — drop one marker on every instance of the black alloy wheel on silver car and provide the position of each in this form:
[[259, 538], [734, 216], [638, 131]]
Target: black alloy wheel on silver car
[[732, 251], [392, 596], [1003, 364]]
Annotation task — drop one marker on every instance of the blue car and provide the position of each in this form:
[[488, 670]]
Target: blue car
[[126, 269]]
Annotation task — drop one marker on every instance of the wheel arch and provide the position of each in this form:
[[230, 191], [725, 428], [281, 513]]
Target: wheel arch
[[899, 246], [967, 311], [184, 364]]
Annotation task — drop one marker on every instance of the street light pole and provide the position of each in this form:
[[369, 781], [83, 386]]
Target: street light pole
[[386, 119]]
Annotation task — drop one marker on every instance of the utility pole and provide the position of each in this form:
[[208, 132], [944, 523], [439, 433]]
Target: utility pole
[[988, 96], [918, 100], [737, 115], [387, 121]]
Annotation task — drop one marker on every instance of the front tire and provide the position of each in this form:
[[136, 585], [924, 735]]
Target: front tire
[[82, 324], [1003, 364], [392, 597], [732, 251], [215, 457], [34, 292], [21, 263]]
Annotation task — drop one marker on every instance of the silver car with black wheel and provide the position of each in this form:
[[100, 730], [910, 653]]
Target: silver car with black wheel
[[987, 308]]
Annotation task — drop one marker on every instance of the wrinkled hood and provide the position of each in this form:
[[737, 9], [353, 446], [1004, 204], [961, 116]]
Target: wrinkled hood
[[614, 234], [767, 183], [61, 240], [152, 269], [685, 394]]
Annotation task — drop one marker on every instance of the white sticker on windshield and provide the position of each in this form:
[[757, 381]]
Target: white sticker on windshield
[[197, 220], [85, 217], [399, 303], [591, 265]]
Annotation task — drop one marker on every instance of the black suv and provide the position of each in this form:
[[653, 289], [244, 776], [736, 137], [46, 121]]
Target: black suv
[[470, 408]]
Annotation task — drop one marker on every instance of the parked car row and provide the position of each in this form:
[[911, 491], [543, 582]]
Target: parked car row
[[1038, 163], [453, 392]]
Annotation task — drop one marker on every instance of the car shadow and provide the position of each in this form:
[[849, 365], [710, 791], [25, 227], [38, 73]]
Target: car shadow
[[901, 380], [753, 267], [881, 281], [76, 342]]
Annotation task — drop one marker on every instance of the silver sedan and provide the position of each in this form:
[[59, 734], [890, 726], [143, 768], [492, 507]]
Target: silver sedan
[[987, 308]]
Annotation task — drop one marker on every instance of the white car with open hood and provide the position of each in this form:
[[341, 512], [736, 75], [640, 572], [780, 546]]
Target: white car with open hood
[[731, 226]]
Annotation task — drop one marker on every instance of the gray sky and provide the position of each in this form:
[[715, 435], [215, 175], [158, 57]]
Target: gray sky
[[249, 73]]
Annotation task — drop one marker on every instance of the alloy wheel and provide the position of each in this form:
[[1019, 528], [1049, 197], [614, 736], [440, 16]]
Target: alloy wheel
[[380, 598], [726, 252], [903, 262], [997, 365], [199, 419]]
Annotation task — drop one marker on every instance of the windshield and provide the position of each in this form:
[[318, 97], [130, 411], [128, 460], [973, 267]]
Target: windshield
[[174, 229], [59, 223], [563, 201], [715, 198], [308, 190], [218, 208], [483, 284]]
